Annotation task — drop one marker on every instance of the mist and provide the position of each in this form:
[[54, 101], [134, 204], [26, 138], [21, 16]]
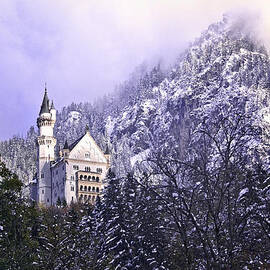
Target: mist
[[83, 48]]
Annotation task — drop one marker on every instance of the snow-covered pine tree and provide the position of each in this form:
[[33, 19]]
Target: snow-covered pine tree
[[150, 237], [113, 229], [18, 226]]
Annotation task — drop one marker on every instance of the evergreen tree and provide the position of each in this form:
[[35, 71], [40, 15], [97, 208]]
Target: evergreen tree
[[114, 250], [150, 245], [18, 238]]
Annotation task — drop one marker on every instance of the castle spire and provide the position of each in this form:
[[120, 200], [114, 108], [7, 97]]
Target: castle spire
[[107, 150], [45, 104], [52, 106], [65, 145]]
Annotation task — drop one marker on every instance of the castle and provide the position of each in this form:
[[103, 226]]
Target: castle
[[77, 175]]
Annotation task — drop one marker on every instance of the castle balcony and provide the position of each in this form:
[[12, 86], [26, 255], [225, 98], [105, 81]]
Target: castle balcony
[[88, 191], [88, 176]]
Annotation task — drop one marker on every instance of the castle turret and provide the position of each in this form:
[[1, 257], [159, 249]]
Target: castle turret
[[107, 155], [53, 112], [65, 151], [46, 144]]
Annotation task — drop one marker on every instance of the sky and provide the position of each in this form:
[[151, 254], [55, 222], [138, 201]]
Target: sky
[[83, 48]]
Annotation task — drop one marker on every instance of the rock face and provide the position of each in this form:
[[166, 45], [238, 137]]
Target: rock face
[[225, 70]]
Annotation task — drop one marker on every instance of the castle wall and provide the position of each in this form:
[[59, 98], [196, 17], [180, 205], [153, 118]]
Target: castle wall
[[44, 182], [71, 169], [58, 182]]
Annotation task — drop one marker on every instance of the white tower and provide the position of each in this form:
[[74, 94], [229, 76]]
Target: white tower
[[46, 143]]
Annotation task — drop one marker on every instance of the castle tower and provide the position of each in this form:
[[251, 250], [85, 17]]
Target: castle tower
[[46, 143]]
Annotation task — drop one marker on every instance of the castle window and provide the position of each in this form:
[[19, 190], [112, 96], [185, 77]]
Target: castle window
[[97, 179], [75, 167], [85, 177], [81, 177], [72, 188], [81, 188], [97, 189], [42, 175], [89, 188], [89, 197], [85, 188], [93, 189], [89, 178], [93, 178]]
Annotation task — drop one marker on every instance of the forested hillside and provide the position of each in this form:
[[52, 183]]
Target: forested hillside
[[225, 69]]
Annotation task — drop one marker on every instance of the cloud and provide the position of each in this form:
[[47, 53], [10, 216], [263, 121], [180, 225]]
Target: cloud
[[82, 48]]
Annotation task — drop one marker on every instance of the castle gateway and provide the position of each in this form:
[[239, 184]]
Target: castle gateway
[[79, 172]]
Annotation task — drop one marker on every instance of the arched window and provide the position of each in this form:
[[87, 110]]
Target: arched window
[[85, 177], [89, 188], [97, 179], [93, 198], [81, 188], [93, 178], [97, 189], [85, 188], [81, 196], [89, 197], [89, 178], [93, 189], [85, 198], [81, 177]]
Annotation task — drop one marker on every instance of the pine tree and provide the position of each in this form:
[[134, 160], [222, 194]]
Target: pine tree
[[151, 244], [113, 244], [18, 240]]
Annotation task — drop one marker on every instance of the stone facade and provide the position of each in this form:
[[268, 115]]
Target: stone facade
[[79, 172]]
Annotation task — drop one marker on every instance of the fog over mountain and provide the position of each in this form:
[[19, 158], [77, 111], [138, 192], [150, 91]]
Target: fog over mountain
[[83, 49], [225, 69]]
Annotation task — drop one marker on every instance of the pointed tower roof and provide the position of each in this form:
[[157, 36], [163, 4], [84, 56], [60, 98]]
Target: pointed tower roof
[[107, 151], [66, 145], [45, 104], [52, 106]]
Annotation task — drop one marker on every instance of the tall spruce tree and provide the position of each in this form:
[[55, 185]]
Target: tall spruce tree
[[18, 238], [151, 243]]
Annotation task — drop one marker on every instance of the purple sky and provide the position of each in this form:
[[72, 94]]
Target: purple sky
[[82, 48]]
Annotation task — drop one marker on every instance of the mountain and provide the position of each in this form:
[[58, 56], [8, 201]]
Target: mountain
[[226, 69]]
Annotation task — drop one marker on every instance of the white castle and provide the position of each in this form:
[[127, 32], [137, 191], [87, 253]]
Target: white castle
[[79, 172]]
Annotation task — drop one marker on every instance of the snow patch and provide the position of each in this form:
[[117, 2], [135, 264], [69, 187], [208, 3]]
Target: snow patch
[[74, 117], [139, 157]]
